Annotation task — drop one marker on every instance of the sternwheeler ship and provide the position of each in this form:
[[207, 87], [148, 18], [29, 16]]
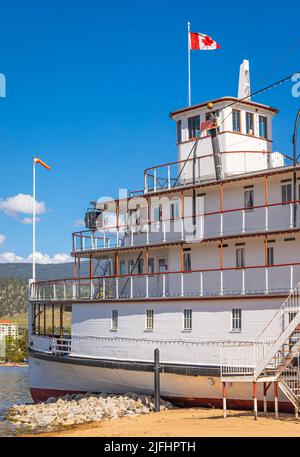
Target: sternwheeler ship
[[201, 264]]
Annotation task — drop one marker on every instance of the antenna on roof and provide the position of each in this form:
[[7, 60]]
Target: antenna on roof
[[244, 81]]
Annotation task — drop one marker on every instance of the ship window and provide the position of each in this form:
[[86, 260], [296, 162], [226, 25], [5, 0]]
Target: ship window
[[143, 214], [151, 265], [114, 319], [236, 120], [187, 264], [263, 126], [141, 266], [286, 192], [236, 320], [207, 132], [194, 126], [149, 319], [249, 198], [131, 264], [157, 213], [187, 319], [240, 257], [109, 268], [174, 210], [179, 135], [250, 123], [270, 255], [122, 267], [162, 265]]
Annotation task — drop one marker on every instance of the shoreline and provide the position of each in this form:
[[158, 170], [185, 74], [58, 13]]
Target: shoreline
[[185, 422], [12, 364]]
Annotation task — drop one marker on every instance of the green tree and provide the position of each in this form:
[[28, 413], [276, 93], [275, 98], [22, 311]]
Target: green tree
[[16, 349]]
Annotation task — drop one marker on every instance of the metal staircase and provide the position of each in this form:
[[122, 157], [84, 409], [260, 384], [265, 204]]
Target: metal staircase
[[274, 356]]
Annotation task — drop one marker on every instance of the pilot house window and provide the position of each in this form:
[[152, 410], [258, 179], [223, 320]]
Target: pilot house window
[[194, 126], [250, 123], [236, 120], [178, 128], [263, 126]]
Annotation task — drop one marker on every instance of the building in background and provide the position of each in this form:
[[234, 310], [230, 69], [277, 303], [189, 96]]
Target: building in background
[[8, 328]]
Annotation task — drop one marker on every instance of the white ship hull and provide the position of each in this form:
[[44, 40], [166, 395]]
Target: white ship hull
[[53, 379]]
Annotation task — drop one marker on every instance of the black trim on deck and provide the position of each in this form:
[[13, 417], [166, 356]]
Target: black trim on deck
[[186, 370]]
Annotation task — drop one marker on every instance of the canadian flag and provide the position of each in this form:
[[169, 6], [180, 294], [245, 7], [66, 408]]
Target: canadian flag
[[201, 42]]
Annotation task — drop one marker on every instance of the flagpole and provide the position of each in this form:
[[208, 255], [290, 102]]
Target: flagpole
[[189, 65], [33, 220]]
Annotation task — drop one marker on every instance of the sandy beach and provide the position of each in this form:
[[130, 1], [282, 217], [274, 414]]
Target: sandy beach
[[190, 422]]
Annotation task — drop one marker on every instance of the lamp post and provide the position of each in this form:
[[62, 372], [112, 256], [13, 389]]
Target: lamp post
[[34, 162]]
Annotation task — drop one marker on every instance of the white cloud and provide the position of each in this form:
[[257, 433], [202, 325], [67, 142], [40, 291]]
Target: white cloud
[[11, 257], [79, 223], [29, 220], [2, 239], [21, 204]]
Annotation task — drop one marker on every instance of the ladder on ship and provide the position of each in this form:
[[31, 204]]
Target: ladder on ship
[[273, 358]]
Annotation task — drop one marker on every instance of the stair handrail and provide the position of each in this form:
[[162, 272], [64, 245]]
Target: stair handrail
[[278, 312], [262, 345]]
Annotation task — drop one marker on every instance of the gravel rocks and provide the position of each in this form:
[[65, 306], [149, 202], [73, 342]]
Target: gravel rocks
[[76, 409]]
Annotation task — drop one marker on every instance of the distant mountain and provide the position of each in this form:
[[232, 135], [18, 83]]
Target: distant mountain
[[13, 296], [43, 272], [14, 283]]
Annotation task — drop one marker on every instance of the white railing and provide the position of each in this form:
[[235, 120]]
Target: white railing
[[186, 172], [265, 352], [291, 377], [61, 346], [175, 174], [237, 359], [276, 279], [276, 216]]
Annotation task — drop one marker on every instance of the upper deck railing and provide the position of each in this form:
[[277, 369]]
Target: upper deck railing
[[213, 282], [260, 218], [180, 173]]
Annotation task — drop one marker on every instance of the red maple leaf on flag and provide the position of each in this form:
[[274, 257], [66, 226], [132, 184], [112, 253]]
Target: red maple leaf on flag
[[207, 41]]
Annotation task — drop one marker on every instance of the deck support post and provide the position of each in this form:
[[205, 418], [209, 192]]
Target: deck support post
[[276, 399], [255, 399], [53, 319], [265, 399], [45, 326], [296, 413], [61, 321], [224, 401]]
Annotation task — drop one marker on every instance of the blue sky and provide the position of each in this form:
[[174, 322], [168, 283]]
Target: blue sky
[[90, 85]]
